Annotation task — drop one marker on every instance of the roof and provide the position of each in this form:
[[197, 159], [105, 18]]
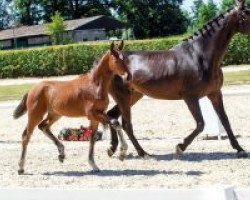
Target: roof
[[96, 22]]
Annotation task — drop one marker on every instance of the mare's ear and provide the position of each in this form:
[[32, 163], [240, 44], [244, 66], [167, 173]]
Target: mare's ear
[[113, 51], [240, 3], [121, 45]]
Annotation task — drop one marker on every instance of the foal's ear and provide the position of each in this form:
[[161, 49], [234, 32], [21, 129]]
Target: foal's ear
[[121, 45], [240, 3], [113, 51]]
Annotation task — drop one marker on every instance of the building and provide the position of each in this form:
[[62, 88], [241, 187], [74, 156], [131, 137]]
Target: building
[[84, 29]]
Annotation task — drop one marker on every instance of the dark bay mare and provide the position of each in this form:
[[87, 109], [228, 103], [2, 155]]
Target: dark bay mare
[[188, 71], [84, 96]]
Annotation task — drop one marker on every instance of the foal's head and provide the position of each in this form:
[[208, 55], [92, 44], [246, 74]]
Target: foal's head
[[241, 16], [116, 60]]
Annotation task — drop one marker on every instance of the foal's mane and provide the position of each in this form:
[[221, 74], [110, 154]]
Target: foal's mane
[[208, 28], [97, 61]]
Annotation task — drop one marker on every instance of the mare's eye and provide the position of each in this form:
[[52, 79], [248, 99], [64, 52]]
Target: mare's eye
[[247, 12]]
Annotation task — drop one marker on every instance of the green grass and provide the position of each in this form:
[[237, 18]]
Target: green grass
[[15, 92], [237, 78]]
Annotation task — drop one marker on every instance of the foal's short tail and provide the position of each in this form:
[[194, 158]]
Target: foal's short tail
[[21, 108]]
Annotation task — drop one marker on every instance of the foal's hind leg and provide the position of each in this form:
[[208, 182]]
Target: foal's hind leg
[[194, 107], [94, 127], [32, 123], [44, 126], [217, 101]]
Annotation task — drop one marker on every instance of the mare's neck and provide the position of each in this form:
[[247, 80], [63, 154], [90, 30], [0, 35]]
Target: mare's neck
[[212, 45]]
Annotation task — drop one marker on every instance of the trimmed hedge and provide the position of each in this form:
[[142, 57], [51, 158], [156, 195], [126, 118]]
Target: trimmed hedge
[[78, 58]]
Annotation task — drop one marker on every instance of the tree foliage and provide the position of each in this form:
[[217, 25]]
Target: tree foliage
[[203, 12], [152, 18], [56, 28], [226, 4], [4, 14]]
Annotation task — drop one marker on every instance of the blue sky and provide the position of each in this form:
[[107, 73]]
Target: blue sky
[[188, 3]]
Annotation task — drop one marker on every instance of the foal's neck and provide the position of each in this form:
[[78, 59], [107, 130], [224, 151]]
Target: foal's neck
[[101, 74]]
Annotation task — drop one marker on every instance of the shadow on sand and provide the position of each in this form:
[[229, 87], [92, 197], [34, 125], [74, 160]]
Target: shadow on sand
[[198, 157], [105, 173]]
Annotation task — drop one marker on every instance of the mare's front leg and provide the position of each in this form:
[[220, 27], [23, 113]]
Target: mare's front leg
[[194, 107], [125, 99], [217, 101]]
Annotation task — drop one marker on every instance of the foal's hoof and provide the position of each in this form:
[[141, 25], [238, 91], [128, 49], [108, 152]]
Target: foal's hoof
[[61, 158], [110, 152], [115, 124], [20, 171], [122, 157], [242, 154]]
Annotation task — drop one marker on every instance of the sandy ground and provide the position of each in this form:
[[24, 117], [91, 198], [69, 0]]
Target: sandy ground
[[159, 126]]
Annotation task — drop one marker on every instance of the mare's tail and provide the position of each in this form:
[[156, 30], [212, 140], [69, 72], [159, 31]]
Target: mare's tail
[[21, 109]]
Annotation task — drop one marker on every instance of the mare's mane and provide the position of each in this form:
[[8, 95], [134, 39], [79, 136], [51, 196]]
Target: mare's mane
[[209, 28]]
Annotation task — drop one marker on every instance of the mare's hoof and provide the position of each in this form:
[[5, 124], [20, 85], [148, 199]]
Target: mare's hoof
[[149, 157], [96, 170], [242, 154], [61, 158], [178, 152], [110, 152], [20, 171]]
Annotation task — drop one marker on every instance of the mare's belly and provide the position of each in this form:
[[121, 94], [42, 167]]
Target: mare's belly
[[169, 90]]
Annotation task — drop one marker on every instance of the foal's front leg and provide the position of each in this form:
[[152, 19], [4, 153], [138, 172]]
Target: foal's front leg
[[97, 117]]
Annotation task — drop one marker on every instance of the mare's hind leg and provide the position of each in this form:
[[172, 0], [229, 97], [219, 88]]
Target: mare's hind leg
[[32, 123], [94, 127], [217, 101], [44, 126], [194, 107]]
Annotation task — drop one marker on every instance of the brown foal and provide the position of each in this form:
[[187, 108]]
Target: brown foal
[[87, 95]]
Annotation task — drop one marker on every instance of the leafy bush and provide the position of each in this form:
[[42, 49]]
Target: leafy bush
[[78, 58]]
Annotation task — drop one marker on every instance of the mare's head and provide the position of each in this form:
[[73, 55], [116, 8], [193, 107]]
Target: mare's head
[[241, 15], [116, 60]]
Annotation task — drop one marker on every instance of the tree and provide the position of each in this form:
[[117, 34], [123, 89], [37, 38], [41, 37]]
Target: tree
[[204, 13], [195, 8], [152, 18], [56, 29], [4, 14], [74, 9], [28, 11], [226, 4]]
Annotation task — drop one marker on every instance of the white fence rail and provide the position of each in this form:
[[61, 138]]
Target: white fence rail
[[217, 193]]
